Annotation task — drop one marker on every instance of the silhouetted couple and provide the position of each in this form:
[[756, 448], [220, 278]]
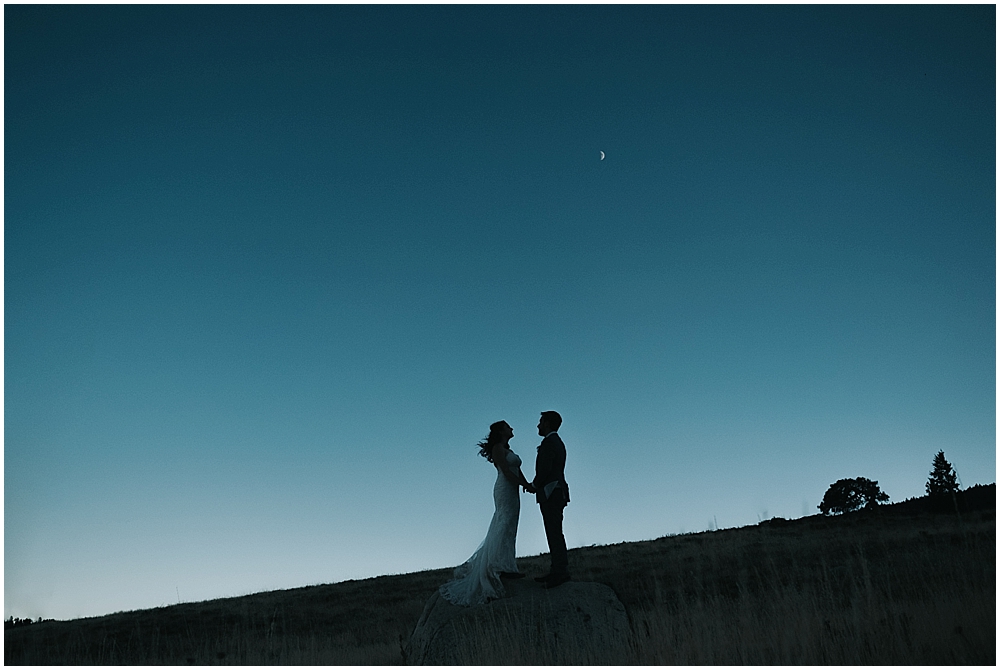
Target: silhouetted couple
[[480, 579]]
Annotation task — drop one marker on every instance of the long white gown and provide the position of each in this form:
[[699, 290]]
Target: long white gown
[[477, 581]]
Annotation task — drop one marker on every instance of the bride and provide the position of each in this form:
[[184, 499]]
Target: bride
[[477, 581]]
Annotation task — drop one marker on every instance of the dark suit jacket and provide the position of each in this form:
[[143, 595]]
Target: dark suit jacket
[[549, 466]]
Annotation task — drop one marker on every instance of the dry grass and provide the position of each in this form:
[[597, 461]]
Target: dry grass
[[844, 613], [501, 642], [883, 588], [350, 623]]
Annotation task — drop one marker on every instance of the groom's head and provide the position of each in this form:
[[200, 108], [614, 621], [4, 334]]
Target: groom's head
[[549, 422]]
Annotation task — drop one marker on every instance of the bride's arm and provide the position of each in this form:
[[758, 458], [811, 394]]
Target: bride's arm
[[523, 481]]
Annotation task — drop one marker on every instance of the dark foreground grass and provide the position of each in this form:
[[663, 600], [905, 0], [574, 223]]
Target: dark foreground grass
[[887, 587]]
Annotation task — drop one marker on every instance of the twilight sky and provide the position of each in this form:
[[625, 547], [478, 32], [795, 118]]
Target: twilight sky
[[271, 272]]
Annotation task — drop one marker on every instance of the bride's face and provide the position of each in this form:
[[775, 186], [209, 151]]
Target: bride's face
[[506, 432]]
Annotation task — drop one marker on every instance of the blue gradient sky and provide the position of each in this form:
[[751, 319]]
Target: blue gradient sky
[[270, 273]]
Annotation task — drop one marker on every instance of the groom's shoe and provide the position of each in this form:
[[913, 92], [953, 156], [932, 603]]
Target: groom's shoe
[[556, 580], [543, 578], [512, 575]]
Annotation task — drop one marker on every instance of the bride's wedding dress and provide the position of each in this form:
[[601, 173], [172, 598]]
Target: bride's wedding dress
[[477, 581]]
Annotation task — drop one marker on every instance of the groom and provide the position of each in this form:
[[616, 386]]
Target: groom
[[552, 494]]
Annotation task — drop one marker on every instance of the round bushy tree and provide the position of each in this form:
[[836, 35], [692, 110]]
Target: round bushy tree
[[943, 479], [849, 495]]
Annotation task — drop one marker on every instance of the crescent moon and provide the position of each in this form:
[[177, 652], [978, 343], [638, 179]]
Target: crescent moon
[[602, 155]]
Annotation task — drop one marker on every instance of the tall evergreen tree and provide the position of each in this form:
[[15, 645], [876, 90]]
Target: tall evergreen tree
[[943, 479]]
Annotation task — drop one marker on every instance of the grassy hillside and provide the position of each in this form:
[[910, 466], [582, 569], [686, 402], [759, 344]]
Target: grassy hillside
[[891, 586]]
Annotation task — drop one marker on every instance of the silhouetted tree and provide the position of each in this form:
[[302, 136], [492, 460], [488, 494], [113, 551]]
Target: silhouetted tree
[[849, 495], [942, 486], [943, 479]]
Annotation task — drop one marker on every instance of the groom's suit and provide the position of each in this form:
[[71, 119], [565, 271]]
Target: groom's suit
[[552, 494]]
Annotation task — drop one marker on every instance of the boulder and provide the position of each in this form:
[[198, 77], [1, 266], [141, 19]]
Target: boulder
[[577, 623]]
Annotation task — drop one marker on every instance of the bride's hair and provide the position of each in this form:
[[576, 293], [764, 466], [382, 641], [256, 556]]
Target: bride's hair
[[486, 445]]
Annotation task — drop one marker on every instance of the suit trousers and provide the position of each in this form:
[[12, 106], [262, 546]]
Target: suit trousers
[[552, 518]]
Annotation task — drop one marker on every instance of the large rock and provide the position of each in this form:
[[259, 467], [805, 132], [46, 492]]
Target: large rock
[[577, 623]]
